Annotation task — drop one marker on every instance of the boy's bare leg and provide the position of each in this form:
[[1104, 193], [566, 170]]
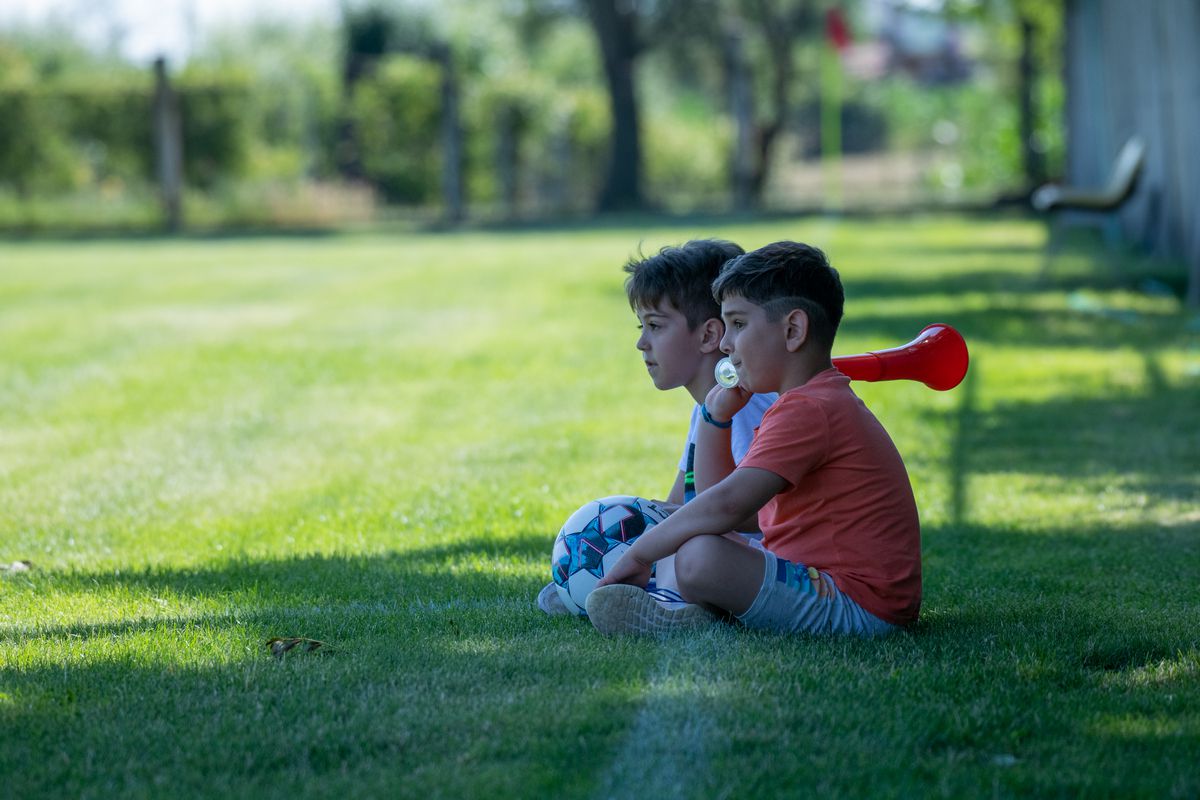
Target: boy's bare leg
[[718, 573]]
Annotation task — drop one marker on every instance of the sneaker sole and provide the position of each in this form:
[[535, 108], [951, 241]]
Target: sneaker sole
[[624, 609]]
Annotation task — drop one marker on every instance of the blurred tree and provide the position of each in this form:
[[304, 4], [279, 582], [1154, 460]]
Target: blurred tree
[[618, 27], [1032, 29], [615, 23], [396, 110], [294, 76], [779, 23], [216, 118], [1039, 29], [35, 152], [756, 41], [542, 69], [373, 31], [53, 49], [367, 33]]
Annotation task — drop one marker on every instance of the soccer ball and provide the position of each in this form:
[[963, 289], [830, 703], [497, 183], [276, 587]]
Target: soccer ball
[[593, 539]]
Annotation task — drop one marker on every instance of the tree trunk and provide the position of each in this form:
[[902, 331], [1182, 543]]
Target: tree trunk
[[779, 29], [613, 23]]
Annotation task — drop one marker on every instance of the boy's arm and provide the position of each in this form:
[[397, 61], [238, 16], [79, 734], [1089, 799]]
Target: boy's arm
[[714, 453], [714, 463], [675, 498], [714, 456], [715, 512]]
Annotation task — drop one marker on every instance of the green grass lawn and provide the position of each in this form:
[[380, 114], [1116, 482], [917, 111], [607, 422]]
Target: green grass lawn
[[371, 440]]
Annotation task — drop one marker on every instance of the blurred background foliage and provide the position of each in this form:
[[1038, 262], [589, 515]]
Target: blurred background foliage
[[311, 123]]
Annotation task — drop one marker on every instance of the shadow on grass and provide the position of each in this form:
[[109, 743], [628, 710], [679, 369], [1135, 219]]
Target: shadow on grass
[[960, 448], [449, 576], [986, 281], [1135, 570], [957, 282], [1013, 323], [443, 680], [432, 673], [1146, 442]]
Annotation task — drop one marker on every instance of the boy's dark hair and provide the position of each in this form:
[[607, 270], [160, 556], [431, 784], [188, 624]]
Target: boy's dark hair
[[683, 275], [784, 276]]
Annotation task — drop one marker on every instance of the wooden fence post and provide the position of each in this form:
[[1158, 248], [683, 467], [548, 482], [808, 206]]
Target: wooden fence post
[[507, 155], [452, 149], [168, 141], [741, 106]]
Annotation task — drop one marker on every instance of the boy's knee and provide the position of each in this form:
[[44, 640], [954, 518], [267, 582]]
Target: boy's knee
[[697, 561]]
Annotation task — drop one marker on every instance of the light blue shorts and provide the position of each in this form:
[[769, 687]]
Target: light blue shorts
[[788, 602]]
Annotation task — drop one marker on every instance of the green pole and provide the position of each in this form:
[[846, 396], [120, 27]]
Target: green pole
[[831, 127]]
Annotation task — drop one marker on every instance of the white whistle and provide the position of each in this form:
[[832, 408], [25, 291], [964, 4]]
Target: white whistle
[[725, 374]]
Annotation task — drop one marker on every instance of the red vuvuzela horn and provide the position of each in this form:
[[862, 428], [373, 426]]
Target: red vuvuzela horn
[[937, 358]]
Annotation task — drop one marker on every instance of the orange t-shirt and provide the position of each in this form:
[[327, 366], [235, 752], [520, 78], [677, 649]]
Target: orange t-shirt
[[849, 509]]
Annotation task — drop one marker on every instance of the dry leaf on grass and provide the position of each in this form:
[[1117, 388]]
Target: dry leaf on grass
[[281, 646]]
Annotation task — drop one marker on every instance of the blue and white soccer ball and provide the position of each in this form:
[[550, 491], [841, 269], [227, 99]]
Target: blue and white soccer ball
[[593, 539]]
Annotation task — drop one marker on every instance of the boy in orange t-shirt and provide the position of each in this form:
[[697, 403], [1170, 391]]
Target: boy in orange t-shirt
[[841, 547]]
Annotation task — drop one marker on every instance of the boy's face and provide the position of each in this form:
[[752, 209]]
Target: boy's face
[[756, 345], [674, 355]]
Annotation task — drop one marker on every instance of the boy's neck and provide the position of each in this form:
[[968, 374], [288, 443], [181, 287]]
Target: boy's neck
[[705, 379], [804, 368]]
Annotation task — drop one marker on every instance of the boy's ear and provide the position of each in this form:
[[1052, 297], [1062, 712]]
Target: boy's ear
[[795, 329], [711, 332]]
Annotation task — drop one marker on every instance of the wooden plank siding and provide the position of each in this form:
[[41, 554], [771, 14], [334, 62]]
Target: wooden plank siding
[[1134, 67]]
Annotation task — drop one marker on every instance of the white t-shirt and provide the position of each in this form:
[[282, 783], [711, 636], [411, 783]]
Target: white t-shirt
[[740, 435]]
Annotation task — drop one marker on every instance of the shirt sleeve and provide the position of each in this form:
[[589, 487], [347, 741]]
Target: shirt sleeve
[[792, 441]]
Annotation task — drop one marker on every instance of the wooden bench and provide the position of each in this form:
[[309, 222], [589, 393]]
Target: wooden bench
[[1055, 200]]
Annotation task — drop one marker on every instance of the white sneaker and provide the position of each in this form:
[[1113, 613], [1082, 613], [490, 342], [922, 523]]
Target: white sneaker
[[621, 608], [668, 598], [549, 601]]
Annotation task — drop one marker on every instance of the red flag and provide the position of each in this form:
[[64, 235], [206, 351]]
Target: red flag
[[836, 29]]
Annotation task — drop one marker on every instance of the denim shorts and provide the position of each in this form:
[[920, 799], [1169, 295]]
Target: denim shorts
[[789, 602]]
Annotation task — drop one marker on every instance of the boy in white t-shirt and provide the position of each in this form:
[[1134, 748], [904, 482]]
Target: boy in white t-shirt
[[681, 330]]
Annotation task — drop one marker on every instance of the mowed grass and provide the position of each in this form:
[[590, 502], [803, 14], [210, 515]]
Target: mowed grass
[[370, 441]]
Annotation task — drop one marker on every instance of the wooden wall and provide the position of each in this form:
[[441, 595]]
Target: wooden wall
[[1133, 66]]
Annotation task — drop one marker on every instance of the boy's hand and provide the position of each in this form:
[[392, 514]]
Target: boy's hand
[[627, 570], [723, 403], [666, 506]]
